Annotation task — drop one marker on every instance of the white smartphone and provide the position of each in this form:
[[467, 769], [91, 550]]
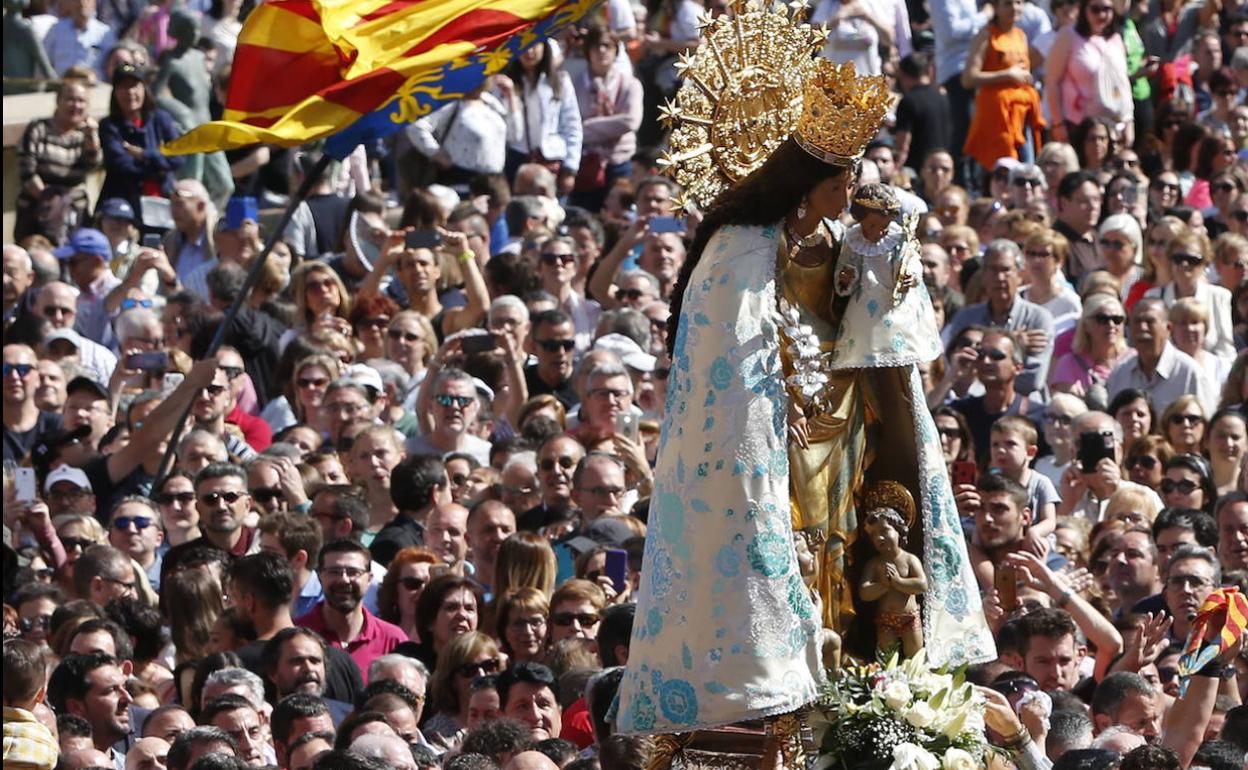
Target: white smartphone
[[25, 487]]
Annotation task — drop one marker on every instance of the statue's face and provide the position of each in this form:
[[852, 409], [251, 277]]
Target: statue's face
[[829, 198], [880, 529], [874, 225]]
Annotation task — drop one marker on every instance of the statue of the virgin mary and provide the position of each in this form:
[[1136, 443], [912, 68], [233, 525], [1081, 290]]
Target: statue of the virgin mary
[[726, 630]]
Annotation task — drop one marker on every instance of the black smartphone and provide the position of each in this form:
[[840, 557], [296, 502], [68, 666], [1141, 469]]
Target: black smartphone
[[479, 343], [1093, 447], [423, 239], [617, 567], [151, 240], [148, 361], [666, 225]]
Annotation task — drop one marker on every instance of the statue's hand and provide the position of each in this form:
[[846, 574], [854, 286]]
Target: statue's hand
[[797, 424]]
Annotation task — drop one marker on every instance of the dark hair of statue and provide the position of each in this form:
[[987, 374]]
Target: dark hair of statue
[[763, 198]]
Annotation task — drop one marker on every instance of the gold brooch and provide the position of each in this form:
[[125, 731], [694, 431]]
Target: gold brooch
[[740, 98]]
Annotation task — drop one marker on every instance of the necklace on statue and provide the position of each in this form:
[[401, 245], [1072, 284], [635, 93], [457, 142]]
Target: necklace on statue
[[798, 243]]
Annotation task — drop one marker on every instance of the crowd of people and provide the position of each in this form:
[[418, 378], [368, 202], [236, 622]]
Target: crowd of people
[[403, 525]]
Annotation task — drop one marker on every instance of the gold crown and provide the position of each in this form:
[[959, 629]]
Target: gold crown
[[890, 494], [841, 112], [740, 96]]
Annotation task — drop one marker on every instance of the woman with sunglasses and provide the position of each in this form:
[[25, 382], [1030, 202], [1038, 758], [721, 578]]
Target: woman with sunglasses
[[304, 395], [1226, 443], [1189, 259], [179, 517], [1188, 483], [956, 441], [1183, 424], [399, 594], [1086, 72], [321, 300], [1120, 244], [370, 319], [1099, 344], [464, 659], [1146, 460], [1225, 188]]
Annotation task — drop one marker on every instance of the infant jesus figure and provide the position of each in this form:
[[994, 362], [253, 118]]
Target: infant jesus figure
[[893, 577]]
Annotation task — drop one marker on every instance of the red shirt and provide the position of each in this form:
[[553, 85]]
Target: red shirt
[[256, 432], [376, 638], [577, 725]]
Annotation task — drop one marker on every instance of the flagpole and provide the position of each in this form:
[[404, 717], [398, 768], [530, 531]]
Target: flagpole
[[310, 180]]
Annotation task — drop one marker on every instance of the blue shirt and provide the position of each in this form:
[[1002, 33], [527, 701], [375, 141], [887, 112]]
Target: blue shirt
[[67, 45], [308, 597]]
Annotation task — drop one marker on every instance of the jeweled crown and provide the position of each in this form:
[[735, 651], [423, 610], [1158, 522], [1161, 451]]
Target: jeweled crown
[[841, 111]]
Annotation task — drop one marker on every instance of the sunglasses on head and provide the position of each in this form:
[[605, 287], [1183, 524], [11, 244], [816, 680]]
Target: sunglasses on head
[[168, 498], [552, 346]]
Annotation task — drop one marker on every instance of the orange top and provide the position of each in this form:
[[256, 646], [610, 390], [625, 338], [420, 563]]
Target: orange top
[[1003, 109]]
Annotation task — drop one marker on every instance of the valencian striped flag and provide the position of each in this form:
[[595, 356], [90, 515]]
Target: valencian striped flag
[[362, 69]]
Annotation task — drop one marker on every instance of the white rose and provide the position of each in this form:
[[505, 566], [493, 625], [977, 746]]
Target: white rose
[[909, 756], [919, 715], [957, 759], [896, 695]]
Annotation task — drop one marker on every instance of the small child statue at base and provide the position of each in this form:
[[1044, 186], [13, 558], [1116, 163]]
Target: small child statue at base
[[830, 641], [893, 577]]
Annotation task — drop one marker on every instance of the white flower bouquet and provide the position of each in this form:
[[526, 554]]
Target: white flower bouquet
[[899, 715]]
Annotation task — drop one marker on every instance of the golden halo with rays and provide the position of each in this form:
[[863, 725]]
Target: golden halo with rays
[[740, 98]]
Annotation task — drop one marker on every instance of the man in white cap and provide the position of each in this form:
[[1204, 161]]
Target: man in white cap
[[57, 303], [68, 490]]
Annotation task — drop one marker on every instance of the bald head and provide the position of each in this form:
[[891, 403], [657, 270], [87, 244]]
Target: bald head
[[446, 533], [77, 760], [531, 760], [147, 754], [390, 749]]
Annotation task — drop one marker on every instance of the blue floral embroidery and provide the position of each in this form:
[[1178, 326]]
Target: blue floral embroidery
[[769, 553], [678, 701], [654, 622], [728, 561], [643, 712], [721, 373]]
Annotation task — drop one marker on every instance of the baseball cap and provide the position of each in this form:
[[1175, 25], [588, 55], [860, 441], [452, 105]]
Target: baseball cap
[[628, 350], [1006, 163], [82, 382], [69, 335], [117, 208], [363, 374], [85, 240], [75, 476], [609, 531], [41, 453], [126, 72]]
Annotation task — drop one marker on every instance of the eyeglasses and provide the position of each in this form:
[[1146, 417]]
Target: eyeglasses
[[1147, 462], [480, 668], [1035, 254], [1186, 486], [232, 372], [26, 625], [549, 463], [139, 522], [554, 346], [462, 402], [212, 498], [629, 294], [1110, 243], [535, 622], [131, 304], [67, 495], [169, 498], [344, 408], [21, 369], [214, 390], [1024, 181], [1192, 260], [606, 491], [551, 258], [374, 323], [1188, 419], [128, 586], [312, 382], [350, 573], [266, 495], [565, 619], [993, 354], [80, 543], [55, 310], [396, 334], [1181, 582], [413, 583], [610, 394], [1166, 186], [1105, 319]]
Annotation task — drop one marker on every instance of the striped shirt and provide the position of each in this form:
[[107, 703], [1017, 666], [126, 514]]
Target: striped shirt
[[58, 158]]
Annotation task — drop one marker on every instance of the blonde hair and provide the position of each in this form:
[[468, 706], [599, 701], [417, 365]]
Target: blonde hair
[[1049, 239], [525, 559], [298, 290], [1190, 309], [1093, 305], [1177, 228], [95, 530], [1128, 499], [443, 696], [1228, 245]]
